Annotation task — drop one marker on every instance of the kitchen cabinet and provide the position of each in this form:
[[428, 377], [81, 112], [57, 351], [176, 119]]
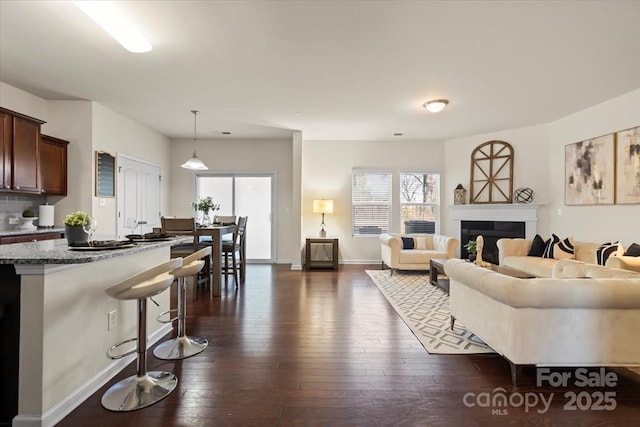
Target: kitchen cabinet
[[20, 142], [34, 237], [53, 166]]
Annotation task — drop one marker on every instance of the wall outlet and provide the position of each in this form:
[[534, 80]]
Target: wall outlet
[[112, 320]]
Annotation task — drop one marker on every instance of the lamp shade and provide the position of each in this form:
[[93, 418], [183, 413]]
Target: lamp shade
[[323, 206], [194, 163]]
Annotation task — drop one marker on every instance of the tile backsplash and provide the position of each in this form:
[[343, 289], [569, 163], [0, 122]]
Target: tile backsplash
[[12, 206]]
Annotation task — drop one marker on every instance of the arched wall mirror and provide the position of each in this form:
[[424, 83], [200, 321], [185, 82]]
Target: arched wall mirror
[[492, 173]]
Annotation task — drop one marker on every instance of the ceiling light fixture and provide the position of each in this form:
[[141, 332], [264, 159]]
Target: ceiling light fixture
[[105, 14], [194, 163], [436, 105]]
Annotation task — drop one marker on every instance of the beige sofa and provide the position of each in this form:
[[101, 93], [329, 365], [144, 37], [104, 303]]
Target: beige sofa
[[428, 246], [513, 253], [566, 321]]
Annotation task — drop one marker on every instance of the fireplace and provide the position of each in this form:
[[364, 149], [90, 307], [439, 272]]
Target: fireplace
[[490, 231], [525, 215]]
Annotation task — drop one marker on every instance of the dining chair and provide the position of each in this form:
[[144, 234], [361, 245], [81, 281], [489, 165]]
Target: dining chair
[[186, 227], [234, 249]]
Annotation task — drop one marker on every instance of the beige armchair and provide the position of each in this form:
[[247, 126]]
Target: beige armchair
[[425, 247]]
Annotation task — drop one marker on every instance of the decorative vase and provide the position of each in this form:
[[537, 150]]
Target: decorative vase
[[459, 195], [75, 233]]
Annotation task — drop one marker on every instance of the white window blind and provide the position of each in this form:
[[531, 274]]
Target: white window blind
[[371, 202]]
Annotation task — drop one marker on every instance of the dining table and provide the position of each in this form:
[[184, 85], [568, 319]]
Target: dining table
[[215, 231]]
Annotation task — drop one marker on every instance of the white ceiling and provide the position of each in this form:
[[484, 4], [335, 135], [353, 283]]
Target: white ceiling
[[338, 70]]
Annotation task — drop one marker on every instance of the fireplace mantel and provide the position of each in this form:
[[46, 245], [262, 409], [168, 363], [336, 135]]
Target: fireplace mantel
[[527, 213]]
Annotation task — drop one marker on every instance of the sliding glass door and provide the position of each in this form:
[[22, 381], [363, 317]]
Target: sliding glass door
[[248, 195]]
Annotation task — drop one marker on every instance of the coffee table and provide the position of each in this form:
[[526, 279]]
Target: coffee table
[[436, 266]]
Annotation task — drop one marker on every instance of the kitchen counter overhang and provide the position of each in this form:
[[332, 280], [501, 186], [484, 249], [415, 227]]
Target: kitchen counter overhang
[[63, 332]]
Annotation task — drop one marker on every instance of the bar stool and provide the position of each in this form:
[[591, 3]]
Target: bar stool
[[145, 388], [182, 346]]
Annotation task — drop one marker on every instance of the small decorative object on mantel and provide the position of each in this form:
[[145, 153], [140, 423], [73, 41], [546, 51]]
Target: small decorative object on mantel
[[459, 195], [523, 195]]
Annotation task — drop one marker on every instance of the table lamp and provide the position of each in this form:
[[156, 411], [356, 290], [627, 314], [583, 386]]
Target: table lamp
[[322, 207]]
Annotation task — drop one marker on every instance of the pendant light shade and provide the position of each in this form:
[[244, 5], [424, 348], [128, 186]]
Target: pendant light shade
[[194, 163]]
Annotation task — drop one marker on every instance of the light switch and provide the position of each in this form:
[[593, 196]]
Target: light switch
[[102, 202]]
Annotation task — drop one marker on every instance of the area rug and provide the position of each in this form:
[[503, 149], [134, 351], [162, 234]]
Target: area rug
[[425, 309]]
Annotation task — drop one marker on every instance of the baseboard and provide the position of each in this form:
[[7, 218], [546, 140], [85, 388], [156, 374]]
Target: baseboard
[[63, 408]]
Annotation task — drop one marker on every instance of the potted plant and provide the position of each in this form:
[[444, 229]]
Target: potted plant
[[472, 248], [205, 205], [73, 227]]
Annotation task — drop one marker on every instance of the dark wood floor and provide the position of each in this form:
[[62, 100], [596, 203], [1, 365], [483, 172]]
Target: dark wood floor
[[325, 348]]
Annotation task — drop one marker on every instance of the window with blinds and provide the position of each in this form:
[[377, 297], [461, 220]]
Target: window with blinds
[[371, 202]]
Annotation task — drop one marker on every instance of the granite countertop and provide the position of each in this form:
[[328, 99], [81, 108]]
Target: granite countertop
[[39, 230], [58, 252]]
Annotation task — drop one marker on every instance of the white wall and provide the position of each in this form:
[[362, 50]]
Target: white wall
[[267, 156], [326, 173], [530, 166], [117, 134], [22, 102], [591, 223]]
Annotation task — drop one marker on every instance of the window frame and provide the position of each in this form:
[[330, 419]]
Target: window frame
[[355, 204], [436, 204]]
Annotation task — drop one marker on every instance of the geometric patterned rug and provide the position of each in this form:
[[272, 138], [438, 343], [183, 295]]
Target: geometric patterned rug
[[425, 310]]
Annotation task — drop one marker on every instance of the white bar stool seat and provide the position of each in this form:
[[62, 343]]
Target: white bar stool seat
[[145, 388], [183, 346]]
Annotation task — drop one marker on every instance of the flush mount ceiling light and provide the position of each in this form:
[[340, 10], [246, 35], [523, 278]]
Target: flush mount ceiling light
[[106, 15], [436, 105], [194, 163]]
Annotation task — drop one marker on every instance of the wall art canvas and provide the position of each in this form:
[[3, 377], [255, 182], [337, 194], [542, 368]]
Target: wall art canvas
[[628, 166], [590, 171]]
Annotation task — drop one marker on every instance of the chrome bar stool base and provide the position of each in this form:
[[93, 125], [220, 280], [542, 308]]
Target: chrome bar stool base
[[139, 392], [180, 348]]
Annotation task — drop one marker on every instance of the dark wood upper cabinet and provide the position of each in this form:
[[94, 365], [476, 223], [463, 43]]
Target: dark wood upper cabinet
[[53, 165], [21, 160], [6, 150], [26, 155]]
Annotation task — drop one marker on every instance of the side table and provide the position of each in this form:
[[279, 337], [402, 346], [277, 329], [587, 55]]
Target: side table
[[321, 252]]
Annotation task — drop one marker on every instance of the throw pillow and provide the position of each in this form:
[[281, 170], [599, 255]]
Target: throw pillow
[[420, 242], [633, 250], [537, 246], [407, 243], [606, 250], [559, 249]]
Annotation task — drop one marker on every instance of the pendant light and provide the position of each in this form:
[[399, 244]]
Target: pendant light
[[194, 163]]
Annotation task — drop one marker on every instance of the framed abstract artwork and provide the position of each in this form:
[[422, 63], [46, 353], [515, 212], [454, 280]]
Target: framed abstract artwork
[[628, 166], [589, 169]]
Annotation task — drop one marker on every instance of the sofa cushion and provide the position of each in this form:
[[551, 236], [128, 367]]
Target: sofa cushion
[[417, 256], [633, 250], [606, 250], [538, 246], [572, 269], [407, 243], [559, 249], [539, 267], [420, 242]]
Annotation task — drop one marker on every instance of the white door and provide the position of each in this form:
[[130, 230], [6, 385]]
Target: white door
[[247, 195], [138, 196]]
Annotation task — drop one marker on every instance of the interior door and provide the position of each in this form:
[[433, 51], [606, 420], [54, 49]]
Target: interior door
[[138, 196]]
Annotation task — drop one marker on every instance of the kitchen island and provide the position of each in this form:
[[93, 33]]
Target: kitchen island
[[55, 323]]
